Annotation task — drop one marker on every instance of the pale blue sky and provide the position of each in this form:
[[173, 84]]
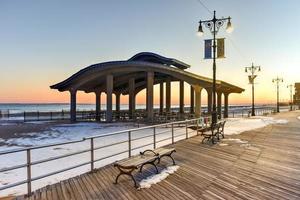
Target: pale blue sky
[[43, 42]]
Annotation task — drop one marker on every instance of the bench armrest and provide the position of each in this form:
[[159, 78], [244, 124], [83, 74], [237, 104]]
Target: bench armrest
[[148, 150]]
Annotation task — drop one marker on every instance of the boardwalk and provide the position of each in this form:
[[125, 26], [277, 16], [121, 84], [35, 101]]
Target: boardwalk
[[266, 168]]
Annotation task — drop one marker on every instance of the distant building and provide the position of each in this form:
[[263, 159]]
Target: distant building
[[297, 94]]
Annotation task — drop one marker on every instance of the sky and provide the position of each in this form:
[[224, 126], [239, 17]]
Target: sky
[[44, 42]]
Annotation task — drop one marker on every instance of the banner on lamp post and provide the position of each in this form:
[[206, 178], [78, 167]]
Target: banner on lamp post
[[251, 78], [221, 48], [208, 49]]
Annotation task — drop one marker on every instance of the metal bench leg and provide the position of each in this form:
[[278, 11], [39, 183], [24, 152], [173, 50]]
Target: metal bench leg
[[151, 163], [170, 156], [128, 173]]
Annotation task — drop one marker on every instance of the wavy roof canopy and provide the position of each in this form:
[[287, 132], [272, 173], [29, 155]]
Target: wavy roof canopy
[[93, 78]]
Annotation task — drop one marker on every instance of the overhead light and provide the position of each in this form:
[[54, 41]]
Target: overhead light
[[200, 30], [229, 27]]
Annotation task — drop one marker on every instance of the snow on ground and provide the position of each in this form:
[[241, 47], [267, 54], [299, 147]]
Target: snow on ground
[[70, 132], [147, 182], [235, 126]]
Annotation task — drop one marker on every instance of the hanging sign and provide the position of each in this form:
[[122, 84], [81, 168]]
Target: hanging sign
[[251, 78], [221, 48], [208, 49]]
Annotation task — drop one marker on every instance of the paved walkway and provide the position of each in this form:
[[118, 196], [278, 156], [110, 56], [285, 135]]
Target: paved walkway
[[267, 167]]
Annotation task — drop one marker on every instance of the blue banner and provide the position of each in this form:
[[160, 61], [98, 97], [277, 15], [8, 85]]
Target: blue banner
[[208, 49]]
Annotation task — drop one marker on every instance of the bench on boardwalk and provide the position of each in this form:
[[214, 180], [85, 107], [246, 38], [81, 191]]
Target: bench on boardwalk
[[128, 165], [215, 130]]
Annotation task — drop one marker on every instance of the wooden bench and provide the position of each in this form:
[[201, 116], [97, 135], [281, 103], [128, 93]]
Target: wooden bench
[[215, 131], [160, 153], [128, 165]]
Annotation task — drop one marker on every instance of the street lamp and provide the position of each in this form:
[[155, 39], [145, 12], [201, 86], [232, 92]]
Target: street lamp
[[291, 96], [214, 25], [252, 70], [277, 81]]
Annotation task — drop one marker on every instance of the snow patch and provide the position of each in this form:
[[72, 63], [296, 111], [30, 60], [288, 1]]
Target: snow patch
[[236, 126], [146, 183]]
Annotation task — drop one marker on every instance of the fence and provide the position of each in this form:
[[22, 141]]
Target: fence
[[101, 148], [247, 112]]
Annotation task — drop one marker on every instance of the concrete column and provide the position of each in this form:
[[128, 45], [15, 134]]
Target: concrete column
[[198, 90], [109, 91], [219, 104], [209, 100], [73, 106], [131, 97], [118, 102], [161, 97], [181, 97], [98, 106], [192, 100], [150, 81], [168, 95], [226, 105]]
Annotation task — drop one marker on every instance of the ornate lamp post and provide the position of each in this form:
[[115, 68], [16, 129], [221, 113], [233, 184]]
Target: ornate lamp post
[[277, 81], [252, 71], [214, 25], [291, 96]]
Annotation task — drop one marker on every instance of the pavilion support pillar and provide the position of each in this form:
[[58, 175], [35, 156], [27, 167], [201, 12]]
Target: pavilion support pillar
[[219, 104], [181, 97], [131, 97], [226, 105], [150, 82], [192, 100], [209, 100], [98, 106], [198, 90], [73, 105], [161, 97], [109, 92], [118, 102], [168, 95]]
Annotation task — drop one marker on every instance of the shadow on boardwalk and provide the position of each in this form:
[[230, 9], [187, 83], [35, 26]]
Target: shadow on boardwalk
[[267, 167]]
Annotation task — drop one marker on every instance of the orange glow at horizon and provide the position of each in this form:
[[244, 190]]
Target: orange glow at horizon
[[53, 96]]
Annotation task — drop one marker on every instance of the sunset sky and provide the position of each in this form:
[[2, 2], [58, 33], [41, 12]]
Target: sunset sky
[[44, 42]]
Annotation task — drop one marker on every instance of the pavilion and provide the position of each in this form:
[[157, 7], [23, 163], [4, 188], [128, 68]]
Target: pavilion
[[143, 71]]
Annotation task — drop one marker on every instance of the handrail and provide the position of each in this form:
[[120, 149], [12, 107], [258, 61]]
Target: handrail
[[29, 163]]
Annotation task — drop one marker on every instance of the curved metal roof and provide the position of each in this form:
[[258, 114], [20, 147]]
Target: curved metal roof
[[93, 78], [155, 58]]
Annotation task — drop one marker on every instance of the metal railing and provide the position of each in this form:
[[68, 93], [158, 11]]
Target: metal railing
[[137, 139]]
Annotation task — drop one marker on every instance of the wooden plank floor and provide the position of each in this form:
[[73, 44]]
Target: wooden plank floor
[[268, 167]]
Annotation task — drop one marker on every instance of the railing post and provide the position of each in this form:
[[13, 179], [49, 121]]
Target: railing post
[[186, 131], [24, 116], [38, 115], [172, 126], [154, 138], [92, 154], [197, 126], [28, 172], [51, 116], [129, 144]]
